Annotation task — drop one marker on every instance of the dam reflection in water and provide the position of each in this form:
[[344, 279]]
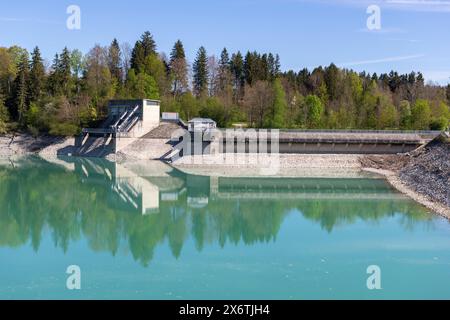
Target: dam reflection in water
[[140, 207]]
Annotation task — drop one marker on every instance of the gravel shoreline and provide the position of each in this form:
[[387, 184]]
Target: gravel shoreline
[[424, 174], [396, 182]]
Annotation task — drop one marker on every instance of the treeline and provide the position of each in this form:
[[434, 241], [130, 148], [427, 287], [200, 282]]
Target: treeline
[[72, 92]]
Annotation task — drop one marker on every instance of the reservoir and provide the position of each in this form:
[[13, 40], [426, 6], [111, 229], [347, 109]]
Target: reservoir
[[148, 231]]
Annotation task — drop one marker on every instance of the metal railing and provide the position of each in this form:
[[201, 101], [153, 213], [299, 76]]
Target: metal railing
[[423, 132], [98, 131]]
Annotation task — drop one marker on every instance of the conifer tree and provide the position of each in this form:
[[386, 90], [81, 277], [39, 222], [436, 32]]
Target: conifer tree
[[224, 61], [224, 73], [37, 75], [4, 116], [148, 44], [200, 69], [114, 54], [178, 68], [65, 71], [237, 71], [448, 94], [54, 81], [137, 61], [21, 91]]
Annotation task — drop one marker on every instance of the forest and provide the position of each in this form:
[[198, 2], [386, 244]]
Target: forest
[[250, 89]]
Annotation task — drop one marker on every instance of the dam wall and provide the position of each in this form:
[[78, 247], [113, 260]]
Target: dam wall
[[311, 142]]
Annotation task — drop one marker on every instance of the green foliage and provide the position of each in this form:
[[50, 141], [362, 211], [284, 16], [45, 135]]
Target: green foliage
[[190, 106], [443, 111], [32, 116], [332, 81], [37, 76], [315, 110], [387, 114], [4, 117], [447, 93], [138, 57], [141, 86], [87, 115], [421, 115], [64, 129], [238, 75], [178, 68], [114, 62], [215, 110], [405, 115], [21, 90], [155, 68], [148, 44], [441, 123], [200, 69], [76, 89], [142, 49], [77, 63], [277, 117]]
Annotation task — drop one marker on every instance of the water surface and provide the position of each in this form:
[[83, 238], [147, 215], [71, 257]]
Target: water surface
[[151, 232]]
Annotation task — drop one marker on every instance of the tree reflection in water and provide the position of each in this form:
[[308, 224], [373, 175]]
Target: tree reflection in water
[[112, 206]]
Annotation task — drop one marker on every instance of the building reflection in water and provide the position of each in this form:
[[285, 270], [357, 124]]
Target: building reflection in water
[[141, 205]]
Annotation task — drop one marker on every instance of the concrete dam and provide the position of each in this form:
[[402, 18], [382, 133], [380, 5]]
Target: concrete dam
[[312, 142]]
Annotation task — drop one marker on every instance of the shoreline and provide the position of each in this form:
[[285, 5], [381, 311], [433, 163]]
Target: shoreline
[[394, 180]]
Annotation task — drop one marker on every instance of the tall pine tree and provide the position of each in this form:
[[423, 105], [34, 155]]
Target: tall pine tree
[[54, 80], [148, 44], [200, 69], [37, 75], [21, 92], [65, 72], [137, 61], [142, 49], [224, 77], [237, 72], [178, 68], [114, 62], [448, 94]]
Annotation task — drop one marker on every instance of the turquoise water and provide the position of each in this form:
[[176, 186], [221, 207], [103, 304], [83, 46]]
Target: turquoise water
[[151, 232]]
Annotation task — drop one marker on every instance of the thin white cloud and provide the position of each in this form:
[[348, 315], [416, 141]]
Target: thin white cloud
[[382, 60], [383, 30], [18, 20], [404, 40], [420, 5], [403, 5], [420, 2]]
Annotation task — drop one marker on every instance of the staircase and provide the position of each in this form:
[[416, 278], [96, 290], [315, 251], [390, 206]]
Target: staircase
[[126, 121], [96, 147], [98, 143]]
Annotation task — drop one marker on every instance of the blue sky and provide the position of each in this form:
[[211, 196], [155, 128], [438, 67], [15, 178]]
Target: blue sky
[[414, 35]]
